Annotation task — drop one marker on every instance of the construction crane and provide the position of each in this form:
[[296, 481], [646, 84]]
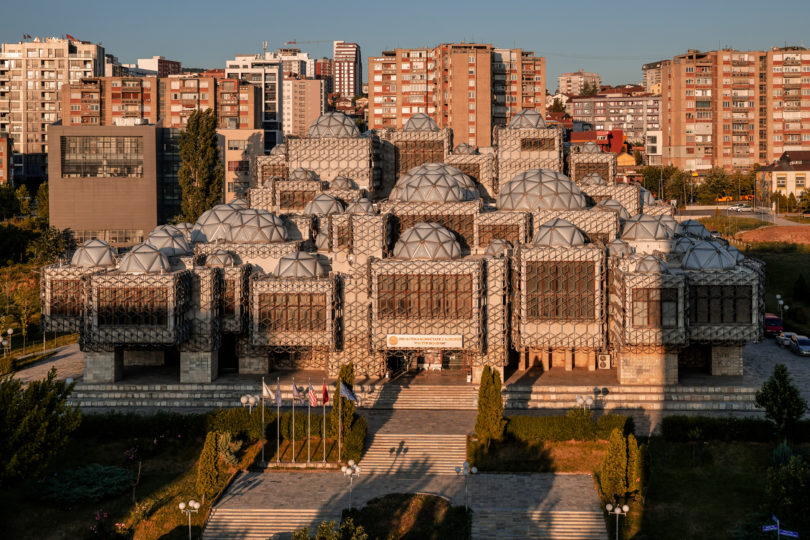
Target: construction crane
[[294, 42]]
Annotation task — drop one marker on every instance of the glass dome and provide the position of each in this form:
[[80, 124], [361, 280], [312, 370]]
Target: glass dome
[[299, 265], [257, 226], [93, 253], [590, 147], [650, 264], [360, 206], [342, 182], [420, 122], [593, 179], [301, 174], [434, 182], [464, 149], [695, 229], [558, 232], [170, 243], [644, 227], [614, 205], [219, 259], [427, 241], [708, 256], [333, 125], [498, 248], [527, 119], [619, 248], [323, 203], [144, 259], [540, 189], [683, 244], [279, 150], [213, 224]]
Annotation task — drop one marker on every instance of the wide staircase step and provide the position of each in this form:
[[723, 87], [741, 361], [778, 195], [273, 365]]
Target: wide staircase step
[[417, 454], [398, 396], [540, 524], [263, 523]]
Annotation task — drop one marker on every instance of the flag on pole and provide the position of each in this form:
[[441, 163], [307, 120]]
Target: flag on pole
[[313, 397], [296, 394], [325, 394], [347, 393], [278, 393], [266, 392]]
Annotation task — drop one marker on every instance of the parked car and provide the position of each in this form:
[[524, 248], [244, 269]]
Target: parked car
[[773, 324], [800, 345], [740, 207], [783, 338], [715, 234]]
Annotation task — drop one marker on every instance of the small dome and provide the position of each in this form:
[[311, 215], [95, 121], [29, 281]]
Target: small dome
[[498, 248], [590, 147], [428, 241], [360, 206], [279, 150], [465, 149], [670, 222], [646, 197], [527, 119], [144, 259], [185, 230], [593, 179], [707, 256], [219, 259], [420, 122], [171, 229], [342, 182], [323, 203], [736, 253], [614, 205], [558, 232], [213, 224], [93, 253], [540, 189], [644, 227], [650, 264], [619, 248], [238, 203], [683, 244], [333, 125], [257, 226], [694, 228], [301, 174], [171, 245], [434, 182], [299, 265]]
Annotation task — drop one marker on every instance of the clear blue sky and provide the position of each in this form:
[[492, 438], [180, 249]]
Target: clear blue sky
[[611, 38]]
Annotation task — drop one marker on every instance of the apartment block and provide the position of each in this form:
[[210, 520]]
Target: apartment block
[[265, 72], [325, 70], [111, 101], [651, 77], [32, 74], [574, 83], [634, 115], [348, 68], [159, 66], [304, 102], [238, 105], [294, 62], [469, 88], [784, 124], [6, 167], [239, 149]]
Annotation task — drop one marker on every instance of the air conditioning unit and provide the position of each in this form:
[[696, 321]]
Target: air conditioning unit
[[603, 361]]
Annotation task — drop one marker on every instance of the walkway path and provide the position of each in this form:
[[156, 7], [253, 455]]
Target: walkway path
[[68, 361]]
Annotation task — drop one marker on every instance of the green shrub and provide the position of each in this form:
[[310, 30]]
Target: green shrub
[[580, 422], [241, 423], [781, 454], [207, 467], [119, 425], [781, 400], [354, 443], [635, 466], [94, 482], [489, 424], [680, 428], [787, 494], [316, 425], [606, 423], [613, 474]]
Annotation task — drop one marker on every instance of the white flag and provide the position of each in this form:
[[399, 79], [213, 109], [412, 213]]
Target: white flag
[[266, 392]]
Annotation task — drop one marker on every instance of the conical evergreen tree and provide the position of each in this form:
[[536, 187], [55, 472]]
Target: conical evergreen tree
[[489, 424], [201, 173]]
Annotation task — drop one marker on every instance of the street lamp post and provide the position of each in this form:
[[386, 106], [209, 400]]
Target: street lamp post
[[618, 511], [351, 470], [191, 508], [584, 402], [249, 401], [466, 471], [10, 331], [782, 305]]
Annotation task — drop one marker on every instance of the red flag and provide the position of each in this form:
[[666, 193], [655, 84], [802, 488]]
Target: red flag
[[325, 394]]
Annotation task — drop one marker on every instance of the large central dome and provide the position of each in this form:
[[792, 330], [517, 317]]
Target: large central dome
[[541, 189], [527, 119], [333, 125], [434, 182], [428, 241]]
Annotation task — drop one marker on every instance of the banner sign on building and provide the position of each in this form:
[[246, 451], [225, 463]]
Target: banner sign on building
[[424, 341]]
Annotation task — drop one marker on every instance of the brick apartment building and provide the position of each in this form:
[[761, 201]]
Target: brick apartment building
[[31, 76], [347, 68], [634, 115], [6, 168], [470, 88], [325, 70], [733, 109]]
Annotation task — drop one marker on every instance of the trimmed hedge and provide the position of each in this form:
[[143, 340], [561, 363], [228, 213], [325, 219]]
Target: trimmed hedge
[[355, 439], [682, 428], [577, 424], [316, 425], [123, 425]]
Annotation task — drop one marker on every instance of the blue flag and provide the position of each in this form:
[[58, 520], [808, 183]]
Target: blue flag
[[278, 394], [347, 393], [296, 394]]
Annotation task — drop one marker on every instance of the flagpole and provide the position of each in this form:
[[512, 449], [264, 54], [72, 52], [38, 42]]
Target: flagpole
[[323, 434], [293, 421], [309, 416], [263, 462], [340, 417], [278, 421]]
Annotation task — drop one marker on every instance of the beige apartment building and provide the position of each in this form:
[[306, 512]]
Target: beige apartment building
[[239, 149], [32, 74], [304, 100], [733, 109], [574, 83], [634, 115], [651, 77], [467, 87], [347, 68]]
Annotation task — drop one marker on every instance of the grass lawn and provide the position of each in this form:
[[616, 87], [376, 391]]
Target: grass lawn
[[409, 516], [512, 455], [728, 225], [784, 264]]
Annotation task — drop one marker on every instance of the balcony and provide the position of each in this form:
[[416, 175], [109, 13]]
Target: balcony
[[791, 62]]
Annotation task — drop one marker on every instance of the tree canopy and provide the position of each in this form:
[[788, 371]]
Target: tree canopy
[[201, 173]]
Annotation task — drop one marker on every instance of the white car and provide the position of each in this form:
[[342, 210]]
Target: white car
[[741, 207], [783, 338]]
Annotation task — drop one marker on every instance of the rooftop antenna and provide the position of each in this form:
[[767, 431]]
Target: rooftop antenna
[[264, 48]]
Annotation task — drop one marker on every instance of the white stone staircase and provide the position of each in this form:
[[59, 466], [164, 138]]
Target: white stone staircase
[[262, 523], [414, 454], [418, 396], [538, 524]]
